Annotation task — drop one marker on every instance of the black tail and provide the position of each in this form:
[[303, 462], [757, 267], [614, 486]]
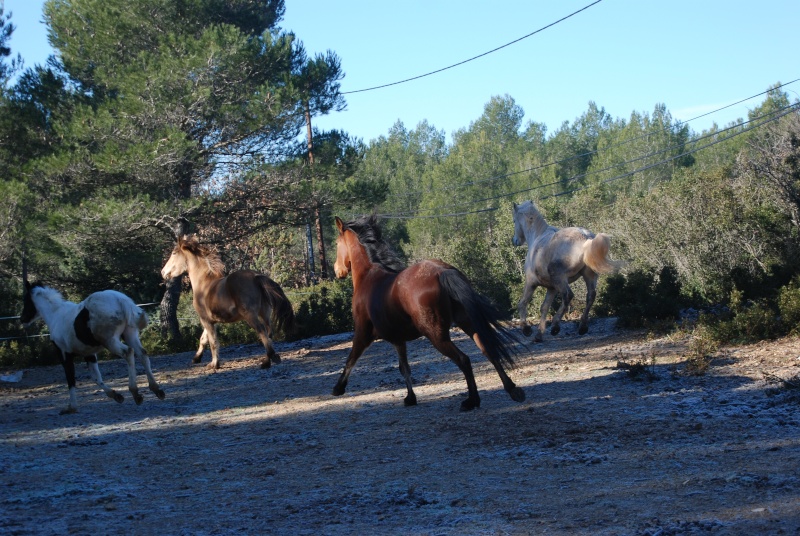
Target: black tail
[[282, 312], [484, 317]]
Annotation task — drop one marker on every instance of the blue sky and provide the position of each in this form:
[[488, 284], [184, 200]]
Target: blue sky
[[694, 56]]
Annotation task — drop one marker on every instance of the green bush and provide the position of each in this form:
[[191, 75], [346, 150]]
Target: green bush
[[641, 298], [323, 309], [744, 321], [789, 306]]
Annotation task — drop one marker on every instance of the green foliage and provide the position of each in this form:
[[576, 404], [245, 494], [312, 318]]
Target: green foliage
[[641, 298], [789, 305], [323, 309]]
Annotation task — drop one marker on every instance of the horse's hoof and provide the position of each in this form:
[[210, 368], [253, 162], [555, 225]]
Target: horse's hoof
[[196, 360], [116, 397], [138, 398], [527, 330], [338, 390], [410, 400], [68, 411], [214, 365], [266, 364], [555, 330], [517, 394], [583, 329], [275, 358], [538, 337], [469, 404], [159, 393]]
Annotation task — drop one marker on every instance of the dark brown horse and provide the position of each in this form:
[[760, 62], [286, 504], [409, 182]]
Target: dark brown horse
[[400, 304], [241, 295]]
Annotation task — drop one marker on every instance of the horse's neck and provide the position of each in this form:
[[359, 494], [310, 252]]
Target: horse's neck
[[538, 227], [360, 262], [51, 306], [200, 274]]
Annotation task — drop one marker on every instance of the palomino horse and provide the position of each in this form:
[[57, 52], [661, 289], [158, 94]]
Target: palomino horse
[[83, 329], [241, 295], [557, 257], [400, 304]]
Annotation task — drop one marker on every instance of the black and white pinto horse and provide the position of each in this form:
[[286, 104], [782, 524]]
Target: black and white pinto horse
[[84, 329]]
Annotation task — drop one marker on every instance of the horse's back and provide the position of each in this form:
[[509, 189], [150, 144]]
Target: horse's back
[[113, 307]]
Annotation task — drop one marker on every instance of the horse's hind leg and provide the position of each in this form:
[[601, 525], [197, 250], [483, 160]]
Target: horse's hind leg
[[591, 294], [516, 393], [566, 297], [132, 338], [116, 347], [405, 370], [446, 346], [522, 307], [546, 304], [98, 379], [264, 334]]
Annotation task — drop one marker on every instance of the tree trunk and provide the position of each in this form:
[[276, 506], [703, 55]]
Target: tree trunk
[[172, 295], [323, 262], [169, 309]]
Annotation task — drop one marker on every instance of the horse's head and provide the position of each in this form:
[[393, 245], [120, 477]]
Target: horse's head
[[29, 310], [342, 265], [176, 264], [519, 232]]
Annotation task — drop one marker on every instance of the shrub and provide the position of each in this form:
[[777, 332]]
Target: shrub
[[789, 306], [323, 309], [640, 298]]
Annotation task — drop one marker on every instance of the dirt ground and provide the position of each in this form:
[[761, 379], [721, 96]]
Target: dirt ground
[[242, 450]]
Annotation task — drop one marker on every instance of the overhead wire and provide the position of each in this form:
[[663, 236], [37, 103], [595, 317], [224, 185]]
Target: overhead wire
[[562, 19]]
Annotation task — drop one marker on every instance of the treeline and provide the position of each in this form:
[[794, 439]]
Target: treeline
[[154, 120]]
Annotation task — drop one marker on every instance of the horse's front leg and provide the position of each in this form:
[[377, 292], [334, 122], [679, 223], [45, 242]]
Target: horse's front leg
[[198, 356], [210, 332], [546, 304], [98, 379], [405, 370], [361, 340], [591, 294], [68, 363], [522, 307]]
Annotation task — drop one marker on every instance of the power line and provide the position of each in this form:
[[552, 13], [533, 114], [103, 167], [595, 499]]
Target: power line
[[474, 57]]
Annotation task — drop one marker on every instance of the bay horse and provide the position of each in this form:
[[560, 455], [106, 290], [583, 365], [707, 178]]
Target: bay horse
[[400, 304], [557, 257], [85, 328], [217, 298]]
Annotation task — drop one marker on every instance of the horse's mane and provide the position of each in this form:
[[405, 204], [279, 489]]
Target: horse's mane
[[50, 294], [369, 234], [192, 245], [534, 216]]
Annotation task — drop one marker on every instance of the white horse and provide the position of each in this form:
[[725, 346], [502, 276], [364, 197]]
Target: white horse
[[83, 329], [557, 257]]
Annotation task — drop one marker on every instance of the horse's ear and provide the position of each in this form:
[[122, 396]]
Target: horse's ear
[[339, 224]]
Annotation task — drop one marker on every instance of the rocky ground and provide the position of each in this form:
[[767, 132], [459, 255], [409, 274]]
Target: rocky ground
[[614, 438]]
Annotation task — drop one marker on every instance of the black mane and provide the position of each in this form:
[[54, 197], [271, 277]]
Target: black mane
[[369, 234]]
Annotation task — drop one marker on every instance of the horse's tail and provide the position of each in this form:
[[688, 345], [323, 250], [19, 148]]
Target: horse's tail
[[282, 312], [595, 255], [484, 317]]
